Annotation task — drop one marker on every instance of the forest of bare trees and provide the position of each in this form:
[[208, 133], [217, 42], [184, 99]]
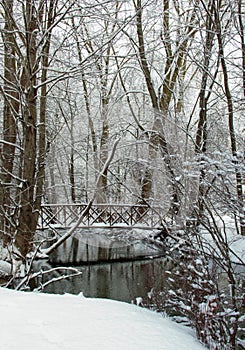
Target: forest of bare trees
[[124, 101], [166, 78]]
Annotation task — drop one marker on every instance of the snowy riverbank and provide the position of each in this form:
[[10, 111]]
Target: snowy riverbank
[[67, 322]]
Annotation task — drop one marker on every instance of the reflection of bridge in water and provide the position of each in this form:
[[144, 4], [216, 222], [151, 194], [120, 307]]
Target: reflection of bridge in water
[[101, 216]]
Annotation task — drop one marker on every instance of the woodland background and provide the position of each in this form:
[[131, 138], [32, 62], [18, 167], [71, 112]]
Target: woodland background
[[165, 78]]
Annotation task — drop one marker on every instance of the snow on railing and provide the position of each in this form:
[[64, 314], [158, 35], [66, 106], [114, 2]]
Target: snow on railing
[[101, 215]]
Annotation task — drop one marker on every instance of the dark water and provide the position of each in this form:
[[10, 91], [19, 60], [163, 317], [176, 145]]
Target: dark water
[[124, 281], [111, 268], [87, 246], [122, 267]]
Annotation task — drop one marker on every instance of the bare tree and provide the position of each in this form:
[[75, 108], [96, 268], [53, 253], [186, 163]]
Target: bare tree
[[219, 8], [204, 96], [104, 86], [30, 49], [161, 97], [11, 108]]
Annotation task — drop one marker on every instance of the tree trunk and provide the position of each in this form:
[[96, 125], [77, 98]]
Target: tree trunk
[[233, 142], [26, 226], [201, 133], [34, 137], [10, 112], [157, 138]]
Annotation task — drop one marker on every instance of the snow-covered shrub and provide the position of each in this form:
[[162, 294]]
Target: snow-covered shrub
[[205, 289]]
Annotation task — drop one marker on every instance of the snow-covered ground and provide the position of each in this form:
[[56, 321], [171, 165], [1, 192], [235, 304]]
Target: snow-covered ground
[[235, 242], [66, 322]]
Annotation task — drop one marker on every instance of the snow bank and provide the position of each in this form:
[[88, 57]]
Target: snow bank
[[66, 322]]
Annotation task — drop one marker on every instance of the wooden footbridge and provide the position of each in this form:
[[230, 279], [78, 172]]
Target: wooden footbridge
[[100, 216]]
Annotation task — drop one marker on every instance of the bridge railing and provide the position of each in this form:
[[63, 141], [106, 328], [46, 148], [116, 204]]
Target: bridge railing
[[100, 215]]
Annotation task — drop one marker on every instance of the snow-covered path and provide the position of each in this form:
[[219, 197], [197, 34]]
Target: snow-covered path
[[66, 322]]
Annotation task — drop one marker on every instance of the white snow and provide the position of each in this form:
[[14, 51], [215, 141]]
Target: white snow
[[235, 241], [5, 267], [66, 322]]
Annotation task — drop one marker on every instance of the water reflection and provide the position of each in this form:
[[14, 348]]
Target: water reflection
[[124, 281], [113, 265], [108, 269], [101, 247]]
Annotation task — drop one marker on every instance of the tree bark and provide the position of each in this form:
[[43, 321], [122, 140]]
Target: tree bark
[[34, 125], [26, 226], [10, 113]]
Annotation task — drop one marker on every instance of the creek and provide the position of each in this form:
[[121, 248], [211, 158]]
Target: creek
[[117, 265]]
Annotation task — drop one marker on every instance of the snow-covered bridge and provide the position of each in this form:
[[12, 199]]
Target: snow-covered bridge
[[100, 216]]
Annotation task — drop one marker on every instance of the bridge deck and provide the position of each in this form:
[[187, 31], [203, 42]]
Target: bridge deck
[[101, 216]]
